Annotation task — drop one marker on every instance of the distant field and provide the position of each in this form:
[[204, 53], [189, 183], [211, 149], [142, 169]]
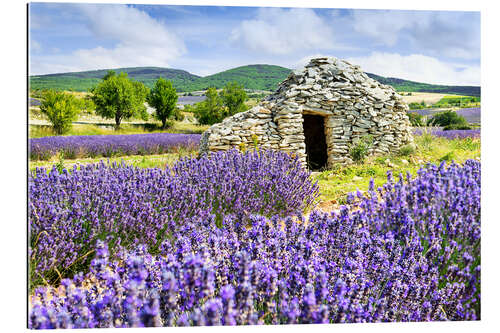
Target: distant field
[[428, 98], [472, 115]]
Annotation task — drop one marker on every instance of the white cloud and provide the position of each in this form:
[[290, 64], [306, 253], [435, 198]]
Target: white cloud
[[420, 68], [139, 39], [449, 34], [281, 31]]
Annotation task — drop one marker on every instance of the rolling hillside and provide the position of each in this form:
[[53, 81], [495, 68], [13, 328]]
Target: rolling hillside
[[406, 85], [258, 77], [82, 81]]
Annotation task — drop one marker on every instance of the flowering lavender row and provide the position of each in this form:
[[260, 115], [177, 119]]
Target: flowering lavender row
[[69, 211], [451, 134], [110, 145], [409, 251]]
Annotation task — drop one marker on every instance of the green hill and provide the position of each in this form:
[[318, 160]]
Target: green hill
[[82, 81], [406, 85], [257, 77]]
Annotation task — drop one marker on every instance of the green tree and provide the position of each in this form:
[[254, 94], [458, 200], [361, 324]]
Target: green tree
[[116, 96], [447, 118], [233, 97], [163, 98], [61, 109], [211, 110]]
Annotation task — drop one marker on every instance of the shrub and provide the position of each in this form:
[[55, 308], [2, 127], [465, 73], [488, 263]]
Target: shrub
[[456, 127], [446, 118], [61, 109], [416, 120], [360, 148], [407, 150]]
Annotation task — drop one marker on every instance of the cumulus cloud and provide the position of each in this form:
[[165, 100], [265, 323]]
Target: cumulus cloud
[[449, 34], [420, 68], [281, 31], [137, 38]]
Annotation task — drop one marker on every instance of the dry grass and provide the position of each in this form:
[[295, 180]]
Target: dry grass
[[428, 98]]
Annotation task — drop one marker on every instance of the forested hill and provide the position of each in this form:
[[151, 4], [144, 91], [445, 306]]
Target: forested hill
[[82, 81], [256, 77], [406, 85]]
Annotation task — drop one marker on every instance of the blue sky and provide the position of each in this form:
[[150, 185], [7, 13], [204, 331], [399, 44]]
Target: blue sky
[[428, 46]]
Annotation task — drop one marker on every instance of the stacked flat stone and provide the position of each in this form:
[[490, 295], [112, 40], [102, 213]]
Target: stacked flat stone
[[353, 104]]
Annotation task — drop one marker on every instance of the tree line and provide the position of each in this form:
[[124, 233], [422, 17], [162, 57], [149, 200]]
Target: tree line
[[118, 97]]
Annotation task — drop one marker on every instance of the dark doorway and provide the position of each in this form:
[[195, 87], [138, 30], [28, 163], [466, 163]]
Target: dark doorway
[[314, 131]]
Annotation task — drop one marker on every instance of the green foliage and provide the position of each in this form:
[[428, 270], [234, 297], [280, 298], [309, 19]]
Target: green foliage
[[407, 150], [446, 118], [460, 101], [416, 119], [217, 106], [61, 110], [211, 110], [163, 98], [359, 149], [120, 98], [87, 104], [416, 106], [456, 127], [60, 162], [256, 77], [233, 97], [255, 141]]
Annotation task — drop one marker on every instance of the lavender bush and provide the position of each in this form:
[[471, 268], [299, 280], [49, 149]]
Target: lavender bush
[[70, 211], [451, 134], [110, 145], [409, 251]]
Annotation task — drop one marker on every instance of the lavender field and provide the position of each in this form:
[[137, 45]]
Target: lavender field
[[472, 115], [214, 241], [449, 134], [110, 145]]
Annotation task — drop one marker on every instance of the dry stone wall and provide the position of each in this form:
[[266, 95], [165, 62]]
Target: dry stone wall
[[352, 104]]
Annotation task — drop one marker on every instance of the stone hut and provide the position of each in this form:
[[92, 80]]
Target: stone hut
[[318, 112]]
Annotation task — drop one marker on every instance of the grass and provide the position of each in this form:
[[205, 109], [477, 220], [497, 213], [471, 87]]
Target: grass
[[140, 161], [37, 131], [337, 182]]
